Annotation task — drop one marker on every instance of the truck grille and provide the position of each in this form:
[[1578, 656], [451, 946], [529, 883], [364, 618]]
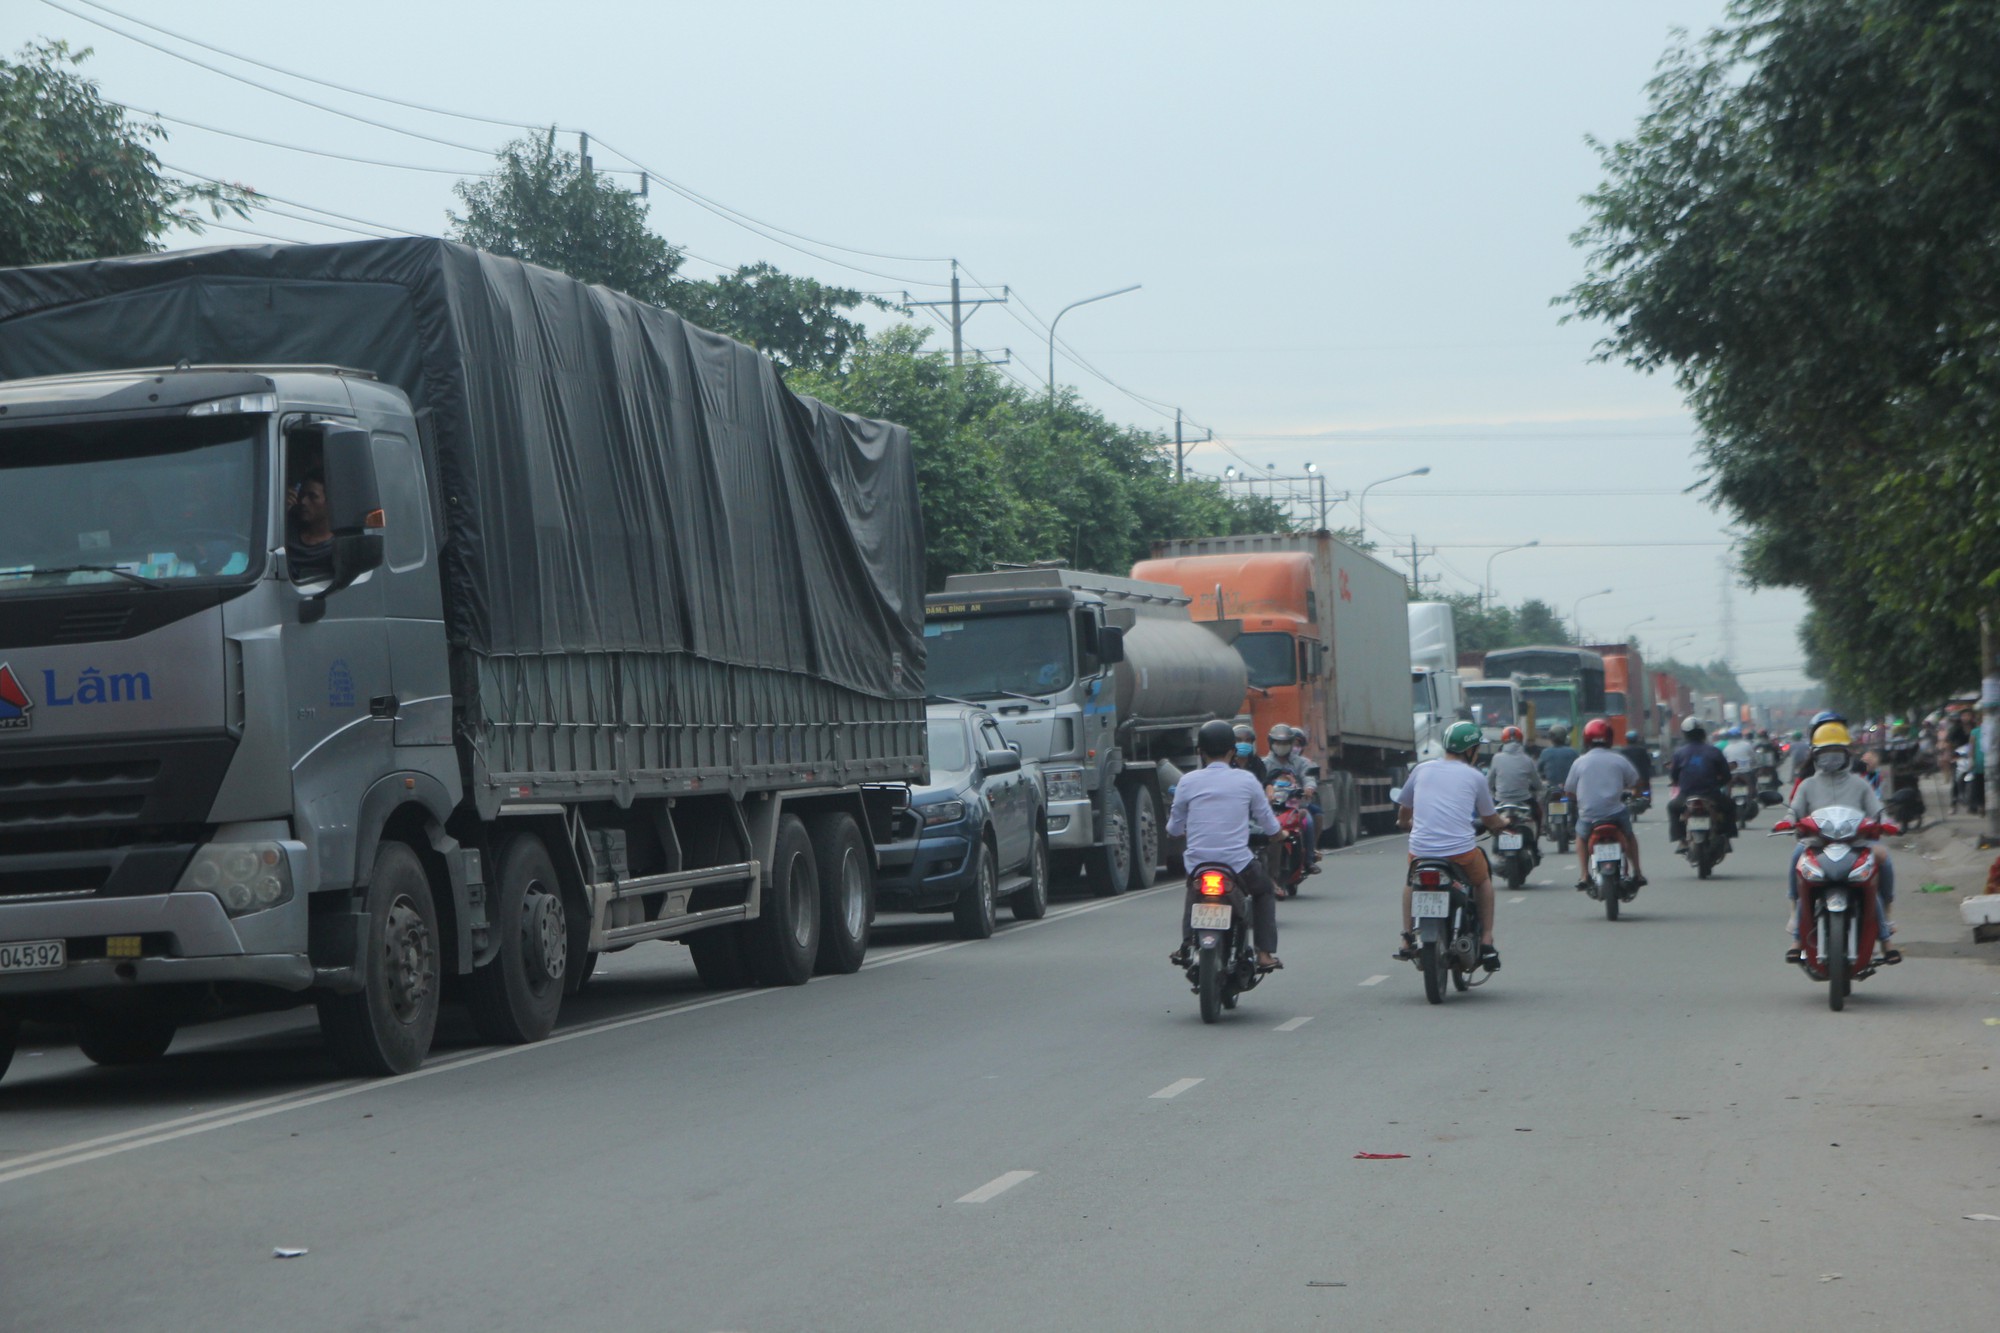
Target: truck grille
[[127, 785], [70, 793]]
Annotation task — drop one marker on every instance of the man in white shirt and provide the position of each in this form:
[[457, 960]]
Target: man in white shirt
[[1442, 804], [1216, 809]]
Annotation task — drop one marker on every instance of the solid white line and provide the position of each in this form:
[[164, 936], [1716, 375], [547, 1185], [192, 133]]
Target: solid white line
[[1518, 898], [1292, 1024], [1376, 980], [997, 1186], [224, 1117], [1175, 1089]]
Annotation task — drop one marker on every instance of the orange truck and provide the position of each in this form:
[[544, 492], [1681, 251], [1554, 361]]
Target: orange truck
[[1324, 633], [1628, 691]]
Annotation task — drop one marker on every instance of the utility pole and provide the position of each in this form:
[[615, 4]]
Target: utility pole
[[1989, 723], [1180, 452], [583, 151], [1416, 558], [962, 310], [1728, 613]]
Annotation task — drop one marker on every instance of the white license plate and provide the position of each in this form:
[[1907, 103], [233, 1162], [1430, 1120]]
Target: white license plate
[[34, 956], [1209, 916], [1510, 842], [1429, 903], [1698, 823], [1606, 852]]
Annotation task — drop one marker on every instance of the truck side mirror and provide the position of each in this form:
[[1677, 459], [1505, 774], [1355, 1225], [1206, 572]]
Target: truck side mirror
[[1110, 645]]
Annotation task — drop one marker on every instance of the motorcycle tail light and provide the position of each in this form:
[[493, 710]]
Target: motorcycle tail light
[[1430, 879], [1214, 884]]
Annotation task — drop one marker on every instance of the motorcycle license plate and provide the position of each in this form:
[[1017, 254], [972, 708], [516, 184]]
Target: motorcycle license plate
[[1510, 842], [1607, 852], [1698, 823], [1209, 916], [34, 956], [1429, 903]]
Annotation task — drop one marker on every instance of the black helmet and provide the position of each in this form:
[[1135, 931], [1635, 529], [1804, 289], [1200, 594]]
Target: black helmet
[[1216, 739]]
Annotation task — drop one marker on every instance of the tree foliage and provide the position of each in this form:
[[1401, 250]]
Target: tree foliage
[[1482, 629], [1803, 231], [78, 175], [797, 322]]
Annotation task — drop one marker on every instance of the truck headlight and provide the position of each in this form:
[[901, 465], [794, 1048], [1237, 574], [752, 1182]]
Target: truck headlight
[[244, 876], [943, 812], [1063, 784]]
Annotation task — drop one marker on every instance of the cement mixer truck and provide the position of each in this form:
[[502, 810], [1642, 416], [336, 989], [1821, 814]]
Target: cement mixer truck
[[1102, 681]]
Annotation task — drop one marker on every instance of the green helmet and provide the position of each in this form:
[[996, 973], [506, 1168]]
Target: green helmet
[[1463, 738]]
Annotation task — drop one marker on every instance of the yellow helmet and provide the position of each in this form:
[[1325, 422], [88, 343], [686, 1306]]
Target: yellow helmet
[[1831, 733]]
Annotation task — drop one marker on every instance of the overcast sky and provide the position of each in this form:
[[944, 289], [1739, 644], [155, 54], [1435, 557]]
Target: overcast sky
[[1348, 218]]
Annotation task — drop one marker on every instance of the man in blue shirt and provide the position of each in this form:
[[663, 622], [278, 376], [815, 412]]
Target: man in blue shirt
[[1699, 769], [1216, 809], [1557, 758]]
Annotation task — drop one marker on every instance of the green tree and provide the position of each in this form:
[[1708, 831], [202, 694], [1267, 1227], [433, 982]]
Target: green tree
[[78, 175], [1803, 231], [797, 322], [542, 206], [1481, 629]]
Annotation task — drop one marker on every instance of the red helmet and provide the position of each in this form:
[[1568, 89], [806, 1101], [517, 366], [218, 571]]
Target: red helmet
[[1597, 731], [1511, 734]]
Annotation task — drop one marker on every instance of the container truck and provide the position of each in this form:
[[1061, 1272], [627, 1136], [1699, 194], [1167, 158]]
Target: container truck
[[1437, 693], [1322, 628], [1497, 705], [1628, 690], [1101, 680], [605, 637]]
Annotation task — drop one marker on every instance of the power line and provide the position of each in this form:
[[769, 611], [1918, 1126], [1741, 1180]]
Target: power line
[[294, 147], [205, 223], [310, 208]]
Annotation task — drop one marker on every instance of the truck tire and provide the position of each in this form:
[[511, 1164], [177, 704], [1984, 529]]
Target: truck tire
[[10, 1038], [721, 957], [1143, 810], [1108, 869], [1032, 903], [977, 911], [784, 940], [386, 1027], [123, 1039], [515, 998], [846, 891]]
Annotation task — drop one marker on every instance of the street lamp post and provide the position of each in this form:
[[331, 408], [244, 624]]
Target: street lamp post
[[1361, 506], [1573, 617], [1101, 296], [1312, 471], [1486, 588], [1635, 624]]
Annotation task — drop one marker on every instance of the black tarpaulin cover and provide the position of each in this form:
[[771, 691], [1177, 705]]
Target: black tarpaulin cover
[[616, 478]]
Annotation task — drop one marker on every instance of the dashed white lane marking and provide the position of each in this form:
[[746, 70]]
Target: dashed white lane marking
[[1175, 1089], [1293, 1024], [1376, 980], [995, 1187], [1518, 898]]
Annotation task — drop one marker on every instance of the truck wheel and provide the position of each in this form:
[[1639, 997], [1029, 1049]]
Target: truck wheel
[[784, 941], [386, 1026], [123, 1039], [1032, 903], [847, 892], [515, 998], [977, 910], [721, 958], [1108, 869], [1145, 816], [10, 1037]]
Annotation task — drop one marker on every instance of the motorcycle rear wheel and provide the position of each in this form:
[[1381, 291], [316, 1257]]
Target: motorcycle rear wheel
[[1433, 965], [1608, 886], [1209, 983], [1838, 979], [1704, 861]]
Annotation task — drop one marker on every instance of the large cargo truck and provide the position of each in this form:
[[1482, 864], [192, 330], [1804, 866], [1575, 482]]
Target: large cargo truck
[[379, 615], [1437, 692], [1628, 690], [1103, 681], [1322, 628]]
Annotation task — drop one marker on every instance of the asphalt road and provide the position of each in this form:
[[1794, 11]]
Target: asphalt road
[[1652, 1123]]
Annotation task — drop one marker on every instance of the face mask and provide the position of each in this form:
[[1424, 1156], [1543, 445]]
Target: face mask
[[1281, 748], [1831, 761], [1245, 748]]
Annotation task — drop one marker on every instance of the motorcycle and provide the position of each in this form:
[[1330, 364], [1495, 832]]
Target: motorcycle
[[1513, 852], [1287, 853], [1839, 915], [1220, 962], [1705, 843], [1562, 823], [1638, 802], [1743, 794], [1446, 915], [1904, 801], [1611, 879]]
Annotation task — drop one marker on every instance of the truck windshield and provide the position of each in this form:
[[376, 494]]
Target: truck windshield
[[1270, 657], [984, 657], [154, 501], [1551, 706], [1491, 706]]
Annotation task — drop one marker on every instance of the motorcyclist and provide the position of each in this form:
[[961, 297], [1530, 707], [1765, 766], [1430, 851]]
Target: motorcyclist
[[1640, 755], [1834, 782], [1443, 804], [1698, 769], [1597, 784], [1557, 756], [1216, 809], [1246, 753], [1516, 780], [1288, 755]]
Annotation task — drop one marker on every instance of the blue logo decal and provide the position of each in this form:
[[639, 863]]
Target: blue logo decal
[[339, 685], [94, 687]]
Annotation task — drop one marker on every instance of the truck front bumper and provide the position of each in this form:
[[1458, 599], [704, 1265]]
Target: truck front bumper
[[189, 938], [1071, 826]]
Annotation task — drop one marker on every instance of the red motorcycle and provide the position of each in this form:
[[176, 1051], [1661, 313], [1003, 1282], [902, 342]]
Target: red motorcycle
[[1289, 854], [1611, 879], [1840, 912]]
